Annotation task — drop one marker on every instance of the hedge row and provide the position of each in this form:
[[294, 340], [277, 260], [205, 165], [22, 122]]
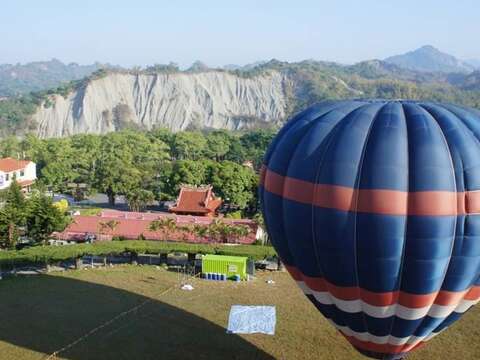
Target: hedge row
[[53, 254]]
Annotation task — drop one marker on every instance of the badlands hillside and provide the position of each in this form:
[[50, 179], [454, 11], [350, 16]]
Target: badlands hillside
[[211, 99]]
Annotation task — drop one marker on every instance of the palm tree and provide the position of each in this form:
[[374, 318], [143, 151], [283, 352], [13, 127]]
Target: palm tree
[[239, 231], [166, 225], [107, 227], [185, 229], [155, 226], [215, 229], [200, 230]]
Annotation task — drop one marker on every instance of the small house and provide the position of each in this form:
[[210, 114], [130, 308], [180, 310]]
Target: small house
[[23, 171]]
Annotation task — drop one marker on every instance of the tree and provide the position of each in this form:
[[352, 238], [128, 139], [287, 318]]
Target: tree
[[188, 172], [200, 230], [43, 218], [9, 231], [160, 182], [107, 227], [10, 147], [236, 184], [56, 164], [86, 151], [12, 215], [189, 145], [31, 147], [236, 152], [139, 199], [166, 225], [256, 143], [162, 134], [223, 232], [218, 144], [116, 172]]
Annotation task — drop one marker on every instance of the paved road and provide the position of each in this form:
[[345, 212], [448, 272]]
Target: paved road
[[101, 201]]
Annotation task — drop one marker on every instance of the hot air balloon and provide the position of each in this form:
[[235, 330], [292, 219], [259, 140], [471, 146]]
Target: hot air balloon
[[374, 208]]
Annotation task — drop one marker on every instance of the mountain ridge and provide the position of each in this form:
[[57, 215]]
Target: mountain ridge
[[429, 59], [18, 79], [201, 97], [265, 95]]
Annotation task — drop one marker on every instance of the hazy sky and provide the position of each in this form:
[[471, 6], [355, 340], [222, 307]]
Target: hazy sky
[[140, 32]]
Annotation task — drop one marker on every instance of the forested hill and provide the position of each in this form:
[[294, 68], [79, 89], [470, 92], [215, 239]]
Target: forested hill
[[201, 98], [20, 79]]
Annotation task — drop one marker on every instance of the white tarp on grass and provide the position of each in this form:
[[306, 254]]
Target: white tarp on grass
[[252, 319]]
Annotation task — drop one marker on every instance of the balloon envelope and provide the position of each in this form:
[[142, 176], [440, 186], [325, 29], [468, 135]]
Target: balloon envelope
[[374, 207]]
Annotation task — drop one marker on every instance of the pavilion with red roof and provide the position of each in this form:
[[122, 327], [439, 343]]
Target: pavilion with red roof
[[197, 201]]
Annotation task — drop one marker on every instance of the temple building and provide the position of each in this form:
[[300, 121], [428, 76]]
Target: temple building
[[197, 201]]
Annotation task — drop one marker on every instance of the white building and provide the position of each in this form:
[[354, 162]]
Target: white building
[[23, 171]]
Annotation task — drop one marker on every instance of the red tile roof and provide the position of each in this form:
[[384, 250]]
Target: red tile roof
[[179, 219], [132, 225], [196, 201], [9, 164]]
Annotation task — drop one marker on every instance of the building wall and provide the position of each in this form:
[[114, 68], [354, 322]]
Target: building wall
[[30, 173]]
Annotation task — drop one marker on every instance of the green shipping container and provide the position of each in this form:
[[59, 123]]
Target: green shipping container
[[229, 265]]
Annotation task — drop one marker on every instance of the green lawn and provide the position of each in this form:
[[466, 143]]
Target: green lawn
[[41, 314]]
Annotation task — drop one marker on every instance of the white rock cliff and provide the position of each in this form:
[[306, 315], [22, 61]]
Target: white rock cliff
[[212, 99]]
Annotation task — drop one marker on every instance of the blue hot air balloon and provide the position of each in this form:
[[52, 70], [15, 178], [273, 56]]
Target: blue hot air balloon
[[374, 207]]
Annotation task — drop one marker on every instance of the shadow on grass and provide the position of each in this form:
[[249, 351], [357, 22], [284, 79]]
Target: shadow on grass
[[45, 313]]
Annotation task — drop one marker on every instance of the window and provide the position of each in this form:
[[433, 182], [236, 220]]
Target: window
[[22, 173], [7, 177]]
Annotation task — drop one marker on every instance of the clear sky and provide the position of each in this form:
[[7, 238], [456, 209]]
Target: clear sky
[[140, 32]]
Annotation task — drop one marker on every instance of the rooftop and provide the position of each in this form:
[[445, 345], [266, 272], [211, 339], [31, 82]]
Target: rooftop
[[9, 164], [132, 225], [196, 200]]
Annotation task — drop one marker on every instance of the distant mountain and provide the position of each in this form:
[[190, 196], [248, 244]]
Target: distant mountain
[[265, 95], [258, 95], [233, 67], [375, 69], [198, 66], [20, 79], [465, 81], [430, 59], [474, 62]]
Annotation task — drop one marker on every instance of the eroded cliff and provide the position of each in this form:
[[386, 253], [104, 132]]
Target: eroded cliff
[[212, 99]]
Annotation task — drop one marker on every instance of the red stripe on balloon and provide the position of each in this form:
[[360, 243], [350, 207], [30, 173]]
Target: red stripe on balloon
[[376, 201], [473, 293], [381, 348], [409, 300]]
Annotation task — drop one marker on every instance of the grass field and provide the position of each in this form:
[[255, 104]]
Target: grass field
[[41, 314]]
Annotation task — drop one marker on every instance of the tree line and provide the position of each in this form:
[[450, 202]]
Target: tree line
[[145, 166]]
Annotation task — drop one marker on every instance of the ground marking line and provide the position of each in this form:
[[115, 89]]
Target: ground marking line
[[53, 356]]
